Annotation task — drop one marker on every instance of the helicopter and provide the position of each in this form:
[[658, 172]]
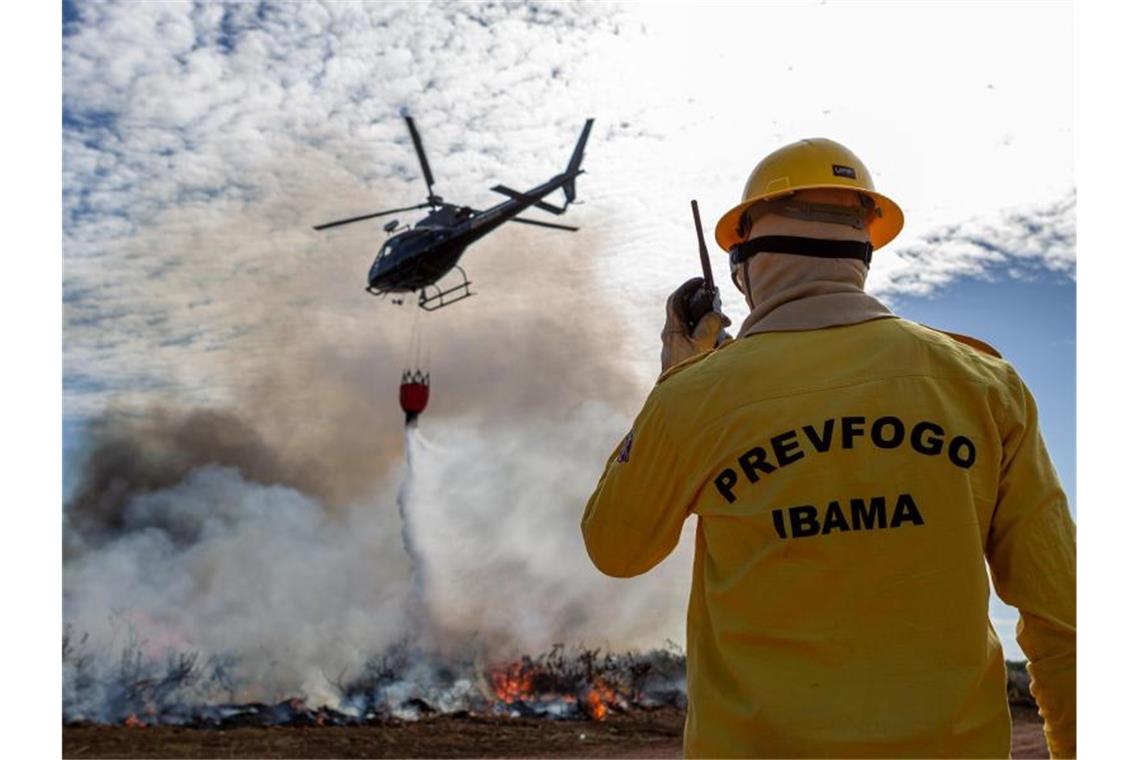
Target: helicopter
[[418, 257]]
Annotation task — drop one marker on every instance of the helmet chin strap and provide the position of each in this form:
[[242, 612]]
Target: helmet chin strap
[[820, 248]]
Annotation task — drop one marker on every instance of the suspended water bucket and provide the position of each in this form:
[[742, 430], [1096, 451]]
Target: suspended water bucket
[[414, 390]]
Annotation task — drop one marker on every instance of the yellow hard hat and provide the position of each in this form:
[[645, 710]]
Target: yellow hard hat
[[805, 165]]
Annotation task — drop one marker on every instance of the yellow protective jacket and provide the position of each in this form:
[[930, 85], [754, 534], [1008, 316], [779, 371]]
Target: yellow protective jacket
[[850, 486]]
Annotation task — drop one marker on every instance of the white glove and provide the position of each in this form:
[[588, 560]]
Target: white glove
[[677, 343]]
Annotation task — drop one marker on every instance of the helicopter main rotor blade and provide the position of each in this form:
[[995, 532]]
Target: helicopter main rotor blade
[[339, 222], [422, 156], [524, 197], [545, 224]]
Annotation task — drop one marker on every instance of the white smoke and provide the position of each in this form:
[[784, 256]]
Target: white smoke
[[498, 516], [264, 574], [294, 595]]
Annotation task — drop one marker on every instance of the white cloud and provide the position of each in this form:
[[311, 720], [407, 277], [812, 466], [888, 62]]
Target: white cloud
[[1015, 243]]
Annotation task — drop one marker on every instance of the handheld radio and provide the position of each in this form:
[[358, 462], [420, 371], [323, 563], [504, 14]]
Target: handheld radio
[[702, 300]]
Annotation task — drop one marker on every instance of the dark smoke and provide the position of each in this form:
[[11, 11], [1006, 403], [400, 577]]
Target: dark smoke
[[129, 455]]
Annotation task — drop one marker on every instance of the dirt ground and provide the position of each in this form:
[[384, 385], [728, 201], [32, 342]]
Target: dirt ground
[[655, 734]]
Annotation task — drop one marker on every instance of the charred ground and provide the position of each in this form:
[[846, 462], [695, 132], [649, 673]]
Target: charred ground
[[639, 733]]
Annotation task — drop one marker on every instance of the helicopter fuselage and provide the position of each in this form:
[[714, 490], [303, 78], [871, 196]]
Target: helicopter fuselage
[[416, 259], [411, 260]]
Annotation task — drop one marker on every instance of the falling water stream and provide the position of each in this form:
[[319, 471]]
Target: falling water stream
[[417, 604]]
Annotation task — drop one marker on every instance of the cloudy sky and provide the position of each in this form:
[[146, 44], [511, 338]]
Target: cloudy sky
[[202, 141]]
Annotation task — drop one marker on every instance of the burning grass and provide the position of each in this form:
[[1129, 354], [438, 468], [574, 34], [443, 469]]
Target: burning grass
[[401, 683]]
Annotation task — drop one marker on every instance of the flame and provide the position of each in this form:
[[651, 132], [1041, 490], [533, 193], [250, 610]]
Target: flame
[[133, 721], [598, 697], [515, 683]]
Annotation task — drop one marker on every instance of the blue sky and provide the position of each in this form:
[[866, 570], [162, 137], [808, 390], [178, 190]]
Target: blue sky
[[201, 142]]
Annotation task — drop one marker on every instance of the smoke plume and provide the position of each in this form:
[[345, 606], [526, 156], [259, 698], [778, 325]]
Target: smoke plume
[[247, 506]]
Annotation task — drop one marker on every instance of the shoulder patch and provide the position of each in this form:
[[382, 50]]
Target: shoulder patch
[[626, 447], [974, 343]]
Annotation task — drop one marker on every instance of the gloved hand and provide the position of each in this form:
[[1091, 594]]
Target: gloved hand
[[677, 343]]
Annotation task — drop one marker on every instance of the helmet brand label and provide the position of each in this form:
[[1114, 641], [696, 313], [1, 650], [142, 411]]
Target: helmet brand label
[[840, 170]]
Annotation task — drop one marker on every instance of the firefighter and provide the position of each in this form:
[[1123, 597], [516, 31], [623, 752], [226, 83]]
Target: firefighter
[[853, 474]]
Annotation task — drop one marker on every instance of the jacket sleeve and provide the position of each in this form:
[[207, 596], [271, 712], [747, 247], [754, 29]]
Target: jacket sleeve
[[634, 519], [1032, 554]]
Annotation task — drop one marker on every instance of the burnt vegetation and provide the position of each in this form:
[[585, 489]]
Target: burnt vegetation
[[398, 684]]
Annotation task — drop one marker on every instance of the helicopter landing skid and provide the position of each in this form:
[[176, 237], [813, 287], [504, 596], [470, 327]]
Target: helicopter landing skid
[[430, 301]]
